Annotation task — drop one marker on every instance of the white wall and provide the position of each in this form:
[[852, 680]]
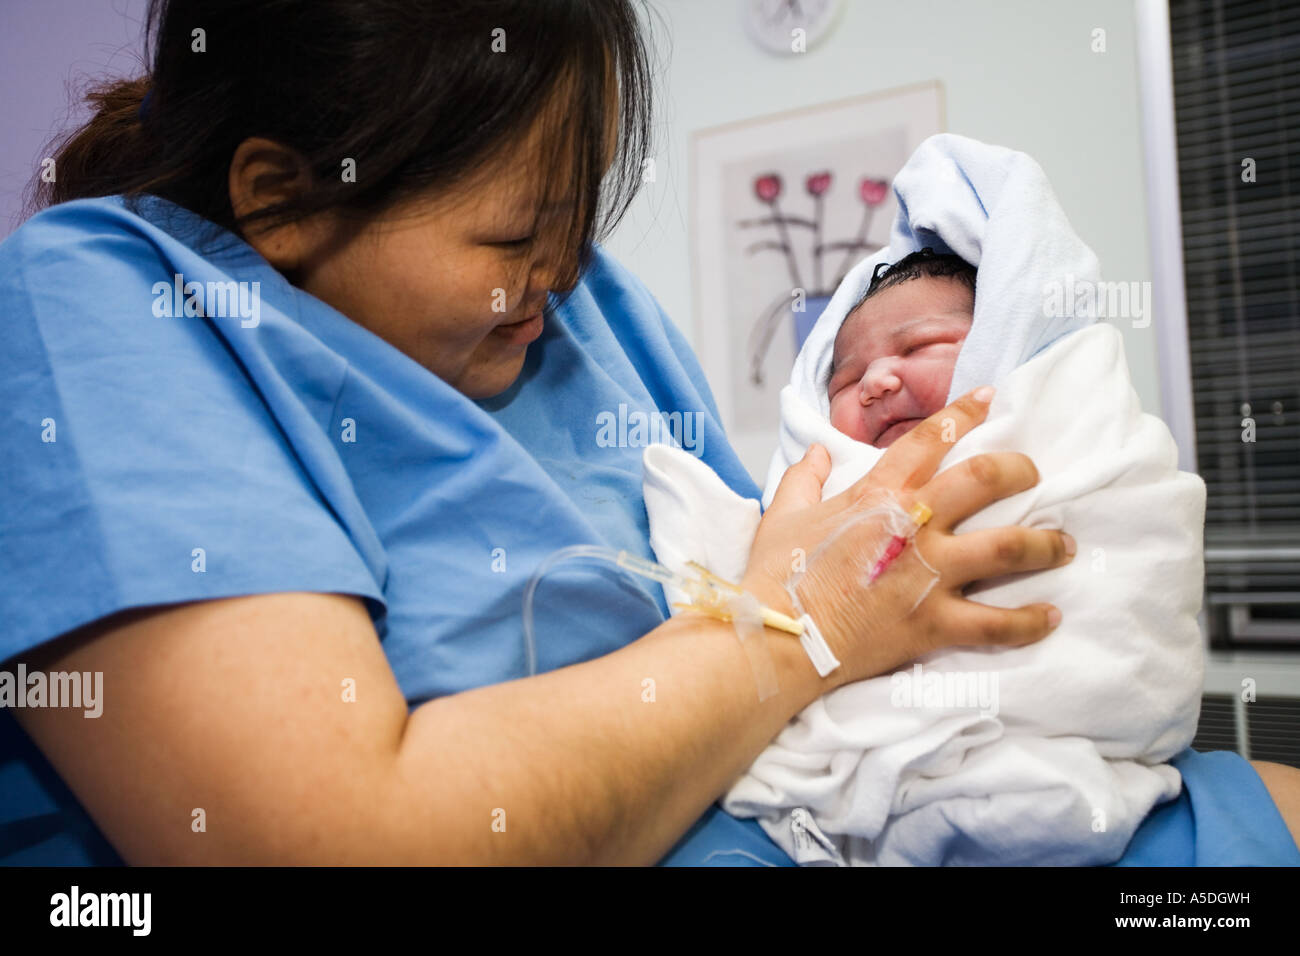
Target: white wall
[[1019, 73]]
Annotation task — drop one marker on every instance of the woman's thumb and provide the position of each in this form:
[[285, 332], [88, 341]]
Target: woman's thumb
[[801, 485]]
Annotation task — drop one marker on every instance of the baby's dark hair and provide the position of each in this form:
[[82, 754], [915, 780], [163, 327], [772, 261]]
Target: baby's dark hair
[[927, 262]]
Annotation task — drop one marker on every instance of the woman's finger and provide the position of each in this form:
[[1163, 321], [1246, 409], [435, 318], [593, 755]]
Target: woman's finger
[[994, 552], [801, 485], [968, 623], [958, 492], [911, 461]]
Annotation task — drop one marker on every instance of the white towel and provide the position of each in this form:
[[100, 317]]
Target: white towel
[[1071, 760]]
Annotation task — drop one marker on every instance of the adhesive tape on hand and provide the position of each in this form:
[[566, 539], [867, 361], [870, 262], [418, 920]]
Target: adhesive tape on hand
[[814, 645]]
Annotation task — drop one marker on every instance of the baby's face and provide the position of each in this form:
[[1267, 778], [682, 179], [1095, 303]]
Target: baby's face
[[894, 357]]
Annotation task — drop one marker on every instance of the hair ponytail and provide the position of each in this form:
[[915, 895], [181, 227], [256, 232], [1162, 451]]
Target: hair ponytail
[[110, 154]]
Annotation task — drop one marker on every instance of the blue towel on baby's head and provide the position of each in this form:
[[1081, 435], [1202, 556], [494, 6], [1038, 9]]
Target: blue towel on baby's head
[[994, 207]]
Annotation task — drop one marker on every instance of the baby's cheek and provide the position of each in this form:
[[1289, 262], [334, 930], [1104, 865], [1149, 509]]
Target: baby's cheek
[[936, 380], [837, 415], [846, 418]]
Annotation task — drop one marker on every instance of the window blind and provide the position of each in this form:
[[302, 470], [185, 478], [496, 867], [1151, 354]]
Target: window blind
[[1236, 75]]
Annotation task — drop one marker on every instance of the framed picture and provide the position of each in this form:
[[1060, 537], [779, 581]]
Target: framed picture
[[782, 207]]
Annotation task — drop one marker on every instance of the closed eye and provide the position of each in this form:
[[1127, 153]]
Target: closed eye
[[922, 345], [514, 243]]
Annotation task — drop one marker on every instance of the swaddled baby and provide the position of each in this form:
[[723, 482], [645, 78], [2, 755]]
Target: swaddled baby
[[1003, 763], [1052, 753]]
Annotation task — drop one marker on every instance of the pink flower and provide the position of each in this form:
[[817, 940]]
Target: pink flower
[[818, 183], [873, 191], [768, 187]]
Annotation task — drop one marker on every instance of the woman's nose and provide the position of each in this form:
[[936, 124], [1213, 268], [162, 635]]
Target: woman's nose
[[554, 270], [558, 255], [880, 379]]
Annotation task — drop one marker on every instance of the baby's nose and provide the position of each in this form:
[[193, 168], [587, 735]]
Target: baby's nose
[[880, 379]]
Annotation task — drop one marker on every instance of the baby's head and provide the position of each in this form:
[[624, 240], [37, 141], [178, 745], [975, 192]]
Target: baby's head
[[894, 354]]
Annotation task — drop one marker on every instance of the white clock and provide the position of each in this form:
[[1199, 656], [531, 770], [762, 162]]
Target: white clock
[[774, 24]]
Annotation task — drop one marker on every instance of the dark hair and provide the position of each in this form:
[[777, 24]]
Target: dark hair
[[926, 262], [411, 90]]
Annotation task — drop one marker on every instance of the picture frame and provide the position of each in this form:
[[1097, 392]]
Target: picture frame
[[782, 206]]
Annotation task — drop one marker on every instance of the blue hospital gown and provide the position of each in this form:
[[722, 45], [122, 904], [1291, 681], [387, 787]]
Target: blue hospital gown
[[154, 458]]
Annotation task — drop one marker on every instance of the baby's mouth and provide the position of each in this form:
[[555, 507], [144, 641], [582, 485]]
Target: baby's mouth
[[895, 431]]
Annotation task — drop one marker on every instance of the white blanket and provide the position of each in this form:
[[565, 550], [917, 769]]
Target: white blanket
[[1064, 755]]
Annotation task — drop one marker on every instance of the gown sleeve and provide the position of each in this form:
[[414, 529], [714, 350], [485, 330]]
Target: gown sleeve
[[141, 465]]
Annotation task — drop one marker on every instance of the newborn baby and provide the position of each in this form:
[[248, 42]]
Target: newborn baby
[[895, 352], [1069, 757], [1069, 752]]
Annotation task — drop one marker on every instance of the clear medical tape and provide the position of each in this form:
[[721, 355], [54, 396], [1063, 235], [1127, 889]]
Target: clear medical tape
[[896, 527], [747, 619]]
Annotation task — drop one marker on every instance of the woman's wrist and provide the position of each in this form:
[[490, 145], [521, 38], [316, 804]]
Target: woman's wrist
[[772, 595], [788, 653], [798, 681], [793, 664]]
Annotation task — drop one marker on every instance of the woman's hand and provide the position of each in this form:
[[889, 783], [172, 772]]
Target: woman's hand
[[874, 628]]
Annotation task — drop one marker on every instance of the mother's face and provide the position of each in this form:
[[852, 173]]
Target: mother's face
[[455, 280], [456, 283]]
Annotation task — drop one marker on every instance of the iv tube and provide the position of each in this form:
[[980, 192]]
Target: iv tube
[[590, 551]]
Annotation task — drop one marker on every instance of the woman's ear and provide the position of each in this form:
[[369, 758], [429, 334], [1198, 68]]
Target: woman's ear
[[262, 173]]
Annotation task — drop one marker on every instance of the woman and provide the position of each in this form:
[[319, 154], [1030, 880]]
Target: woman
[[316, 381]]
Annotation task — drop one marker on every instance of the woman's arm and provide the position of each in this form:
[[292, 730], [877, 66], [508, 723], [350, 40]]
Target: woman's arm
[[237, 708], [1283, 785]]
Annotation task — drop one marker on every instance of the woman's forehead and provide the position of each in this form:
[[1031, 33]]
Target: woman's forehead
[[541, 171], [520, 181]]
